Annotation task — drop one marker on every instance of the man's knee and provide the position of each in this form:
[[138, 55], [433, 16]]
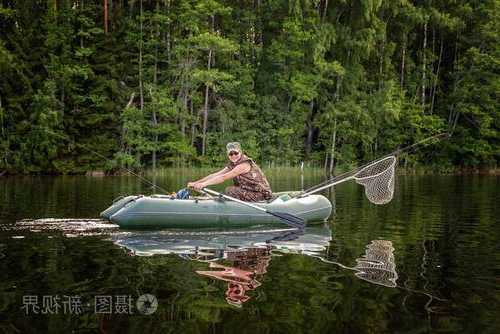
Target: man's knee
[[232, 191]]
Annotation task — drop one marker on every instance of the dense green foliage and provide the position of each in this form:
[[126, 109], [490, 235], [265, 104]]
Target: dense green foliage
[[170, 82]]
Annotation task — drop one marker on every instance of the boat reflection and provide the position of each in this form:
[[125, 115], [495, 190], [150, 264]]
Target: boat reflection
[[238, 257], [241, 257], [213, 245]]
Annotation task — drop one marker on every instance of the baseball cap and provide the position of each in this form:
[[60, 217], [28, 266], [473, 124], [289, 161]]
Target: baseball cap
[[233, 146]]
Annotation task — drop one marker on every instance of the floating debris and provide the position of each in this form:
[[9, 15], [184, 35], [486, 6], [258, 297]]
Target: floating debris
[[69, 227]]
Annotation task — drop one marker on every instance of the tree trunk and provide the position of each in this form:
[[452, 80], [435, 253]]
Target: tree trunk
[[155, 84], [254, 33], [332, 152], [155, 138], [288, 106], [205, 109], [433, 40], [122, 141], [403, 58], [2, 124], [81, 13], [324, 11], [1, 118], [106, 16], [310, 129], [155, 70], [437, 76], [183, 118], [110, 15], [193, 124], [167, 3], [338, 84], [381, 64], [141, 88], [63, 97], [424, 66], [130, 101], [259, 30]]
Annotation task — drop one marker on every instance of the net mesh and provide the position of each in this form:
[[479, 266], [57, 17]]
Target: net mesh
[[378, 180], [377, 265]]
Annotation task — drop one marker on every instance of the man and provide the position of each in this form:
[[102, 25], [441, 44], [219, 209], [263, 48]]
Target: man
[[250, 184]]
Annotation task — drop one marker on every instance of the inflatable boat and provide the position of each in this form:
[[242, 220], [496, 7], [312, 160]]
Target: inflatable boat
[[161, 211]]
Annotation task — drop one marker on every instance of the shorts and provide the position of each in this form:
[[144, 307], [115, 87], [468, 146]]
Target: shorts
[[246, 195]]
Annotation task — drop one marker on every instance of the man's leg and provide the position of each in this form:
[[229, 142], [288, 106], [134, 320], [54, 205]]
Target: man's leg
[[243, 194]]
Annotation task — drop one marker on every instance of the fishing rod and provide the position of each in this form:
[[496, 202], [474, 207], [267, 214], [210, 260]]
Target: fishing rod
[[143, 179], [337, 179]]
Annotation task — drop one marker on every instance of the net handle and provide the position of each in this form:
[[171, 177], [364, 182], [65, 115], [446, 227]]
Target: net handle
[[333, 182], [350, 175]]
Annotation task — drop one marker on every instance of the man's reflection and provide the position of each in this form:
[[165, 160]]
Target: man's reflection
[[247, 266]]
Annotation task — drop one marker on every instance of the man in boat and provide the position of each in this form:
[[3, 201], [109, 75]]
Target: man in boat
[[250, 183]]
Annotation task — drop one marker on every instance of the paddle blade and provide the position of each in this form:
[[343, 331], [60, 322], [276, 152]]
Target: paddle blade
[[289, 219]]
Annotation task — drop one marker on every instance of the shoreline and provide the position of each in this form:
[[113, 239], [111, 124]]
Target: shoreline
[[455, 171]]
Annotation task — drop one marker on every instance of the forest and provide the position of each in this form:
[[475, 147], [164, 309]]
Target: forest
[[102, 84]]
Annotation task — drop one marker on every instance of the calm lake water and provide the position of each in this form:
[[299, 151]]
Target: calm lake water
[[429, 261]]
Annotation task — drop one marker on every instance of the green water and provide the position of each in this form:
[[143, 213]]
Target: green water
[[441, 238]]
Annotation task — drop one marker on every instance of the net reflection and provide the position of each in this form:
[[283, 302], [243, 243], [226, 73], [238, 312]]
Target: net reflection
[[377, 265]]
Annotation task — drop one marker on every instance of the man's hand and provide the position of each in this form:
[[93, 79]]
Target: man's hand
[[196, 185], [199, 185]]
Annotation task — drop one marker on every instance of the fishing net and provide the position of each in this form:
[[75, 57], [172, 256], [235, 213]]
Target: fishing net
[[378, 180], [377, 265]]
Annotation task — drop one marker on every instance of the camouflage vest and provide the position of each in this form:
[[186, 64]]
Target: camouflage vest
[[253, 180]]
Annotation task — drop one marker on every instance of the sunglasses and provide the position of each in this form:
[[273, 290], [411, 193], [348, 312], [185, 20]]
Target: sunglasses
[[233, 153]]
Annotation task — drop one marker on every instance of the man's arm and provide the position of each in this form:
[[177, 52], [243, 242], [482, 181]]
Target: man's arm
[[240, 169], [208, 177]]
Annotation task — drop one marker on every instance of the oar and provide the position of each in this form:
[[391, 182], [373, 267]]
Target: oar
[[286, 218]]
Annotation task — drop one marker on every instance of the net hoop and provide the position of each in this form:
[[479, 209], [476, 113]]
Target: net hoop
[[392, 164], [378, 180]]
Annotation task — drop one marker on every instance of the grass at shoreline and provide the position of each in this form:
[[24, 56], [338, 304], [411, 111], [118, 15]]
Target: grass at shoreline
[[284, 170], [421, 170]]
